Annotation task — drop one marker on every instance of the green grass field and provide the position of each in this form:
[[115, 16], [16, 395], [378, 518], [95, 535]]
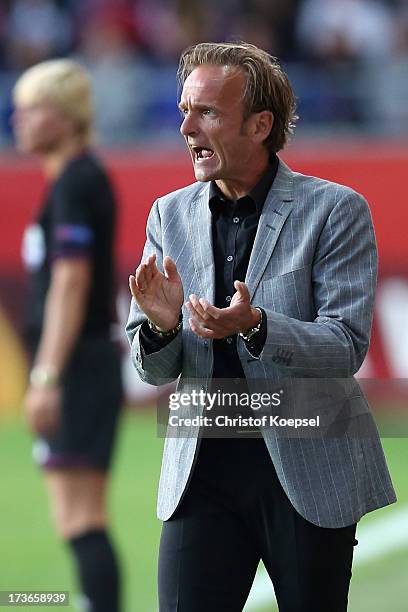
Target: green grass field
[[33, 558]]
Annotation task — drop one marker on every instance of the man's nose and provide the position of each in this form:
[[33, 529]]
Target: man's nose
[[189, 125]]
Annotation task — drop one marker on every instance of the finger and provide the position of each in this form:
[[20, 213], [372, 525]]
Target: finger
[[151, 266], [205, 310], [201, 319], [242, 290], [212, 311], [145, 271], [132, 284], [170, 269], [147, 262], [134, 289], [45, 426], [201, 331], [194, 313], [48, 420], [53, 422], [220, 326], [210, 325], [140, 277], [196, 306], [38, 422], [150, 259]]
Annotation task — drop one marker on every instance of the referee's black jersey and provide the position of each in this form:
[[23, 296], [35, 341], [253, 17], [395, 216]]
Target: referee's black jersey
[[77, 219]]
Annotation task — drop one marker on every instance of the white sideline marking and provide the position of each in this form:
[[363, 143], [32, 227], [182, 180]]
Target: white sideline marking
[[377, 538]]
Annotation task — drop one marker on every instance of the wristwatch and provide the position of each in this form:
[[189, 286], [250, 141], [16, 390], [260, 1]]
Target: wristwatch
[[248, 335], [42, 376]]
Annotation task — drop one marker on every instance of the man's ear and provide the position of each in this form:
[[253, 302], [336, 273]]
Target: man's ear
[[259, 125]]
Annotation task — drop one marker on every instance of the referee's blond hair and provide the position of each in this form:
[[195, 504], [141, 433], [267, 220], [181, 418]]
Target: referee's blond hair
[[267, 85], [64, 84]]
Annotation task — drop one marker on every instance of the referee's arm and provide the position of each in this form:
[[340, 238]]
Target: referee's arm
[[64, 315], [65, 309]]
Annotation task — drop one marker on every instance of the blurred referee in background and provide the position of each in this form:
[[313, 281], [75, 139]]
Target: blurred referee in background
[[75, 393]]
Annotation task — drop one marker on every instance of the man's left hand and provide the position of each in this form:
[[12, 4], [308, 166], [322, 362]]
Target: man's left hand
[[207, 321]]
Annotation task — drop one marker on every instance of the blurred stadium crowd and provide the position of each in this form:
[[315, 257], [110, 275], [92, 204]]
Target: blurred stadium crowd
[[347, 59]]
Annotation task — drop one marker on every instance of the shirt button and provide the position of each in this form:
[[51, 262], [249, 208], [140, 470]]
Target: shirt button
[[228, 298], [235, 220], [230, 258], [229, 340]]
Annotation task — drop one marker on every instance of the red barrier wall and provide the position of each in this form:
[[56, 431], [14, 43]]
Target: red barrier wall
[[377, 171]]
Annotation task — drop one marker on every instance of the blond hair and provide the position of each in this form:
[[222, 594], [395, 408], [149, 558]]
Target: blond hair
[[267, 85], [64, 84]]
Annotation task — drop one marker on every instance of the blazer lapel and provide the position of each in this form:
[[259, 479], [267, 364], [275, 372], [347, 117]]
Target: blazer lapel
[[201, 239], [277, 208]]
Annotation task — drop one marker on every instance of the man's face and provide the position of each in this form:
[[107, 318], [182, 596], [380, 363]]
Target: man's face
[[38, 128], [213, 123]]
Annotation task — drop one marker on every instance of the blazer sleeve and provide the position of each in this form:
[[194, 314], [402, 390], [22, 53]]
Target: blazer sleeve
[[344, 276], [164, 365]]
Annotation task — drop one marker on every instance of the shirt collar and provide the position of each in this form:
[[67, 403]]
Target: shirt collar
[[257, 196]]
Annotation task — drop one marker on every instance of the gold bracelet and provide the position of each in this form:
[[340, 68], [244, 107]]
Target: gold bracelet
[[170, 332], [250, 333]]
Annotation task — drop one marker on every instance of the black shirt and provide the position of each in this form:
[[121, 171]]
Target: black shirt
[[77, 219], [234, 226]]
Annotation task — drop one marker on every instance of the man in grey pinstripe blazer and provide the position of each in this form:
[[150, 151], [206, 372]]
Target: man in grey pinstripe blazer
[[302, 262]]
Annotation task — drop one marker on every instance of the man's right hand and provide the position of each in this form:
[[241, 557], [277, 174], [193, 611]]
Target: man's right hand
[[159, 295]]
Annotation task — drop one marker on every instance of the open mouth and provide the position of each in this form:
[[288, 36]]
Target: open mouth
[[202, 153]]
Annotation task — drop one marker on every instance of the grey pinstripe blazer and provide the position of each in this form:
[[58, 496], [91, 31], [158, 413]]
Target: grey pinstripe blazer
[[313, 270]]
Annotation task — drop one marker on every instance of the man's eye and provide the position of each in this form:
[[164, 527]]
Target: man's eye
[[208, 111]]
